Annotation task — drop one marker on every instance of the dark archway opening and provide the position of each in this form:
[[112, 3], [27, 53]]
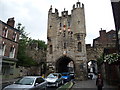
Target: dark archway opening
[[64, 64]]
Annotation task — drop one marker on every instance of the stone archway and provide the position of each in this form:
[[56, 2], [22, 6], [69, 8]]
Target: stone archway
[[65, 64], [92, 66]]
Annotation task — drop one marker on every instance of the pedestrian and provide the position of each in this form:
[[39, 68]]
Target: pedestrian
[[99, 82], [91, 76]]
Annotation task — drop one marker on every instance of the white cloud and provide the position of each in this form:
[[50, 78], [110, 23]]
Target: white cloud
[[33, 15]]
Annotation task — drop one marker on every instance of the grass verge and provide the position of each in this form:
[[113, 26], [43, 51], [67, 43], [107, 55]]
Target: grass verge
[[66, 86]]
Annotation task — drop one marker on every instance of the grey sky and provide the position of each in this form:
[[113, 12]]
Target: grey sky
[[33, 15]]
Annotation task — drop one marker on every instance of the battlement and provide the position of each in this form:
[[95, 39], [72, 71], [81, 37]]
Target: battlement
[[65, 13], [78, 5]]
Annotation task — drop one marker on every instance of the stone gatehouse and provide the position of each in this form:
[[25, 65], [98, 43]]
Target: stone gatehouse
[[66, 41]]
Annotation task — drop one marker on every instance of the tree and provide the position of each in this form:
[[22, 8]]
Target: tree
[[23, 59], [41, 44]]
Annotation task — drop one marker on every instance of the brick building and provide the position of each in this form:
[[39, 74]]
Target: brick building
[[8, 47], [106, 39], [103, 45]]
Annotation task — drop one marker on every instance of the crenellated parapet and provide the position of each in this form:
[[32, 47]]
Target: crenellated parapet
[[51, 13], [64, 13]]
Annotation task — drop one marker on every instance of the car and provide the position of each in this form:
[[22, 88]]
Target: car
[[28, 83], [54, 79], [72, 75], [66, 76], [92, 76]]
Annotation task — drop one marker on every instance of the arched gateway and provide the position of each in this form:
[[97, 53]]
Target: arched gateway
[[64, 63], [66, 41]]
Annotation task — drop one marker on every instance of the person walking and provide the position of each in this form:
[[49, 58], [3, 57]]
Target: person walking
[[99, 82]]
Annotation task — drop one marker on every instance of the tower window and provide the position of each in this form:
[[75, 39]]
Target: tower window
[[60, 25], [64, 45], [79, 46], [50, 26], [71, 33], [78, 22], [50, 49], [78, 37], [64, 34], [68, 23]]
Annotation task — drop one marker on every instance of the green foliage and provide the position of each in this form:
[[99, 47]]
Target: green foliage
[[41, 44], [66, 86], [111, 58], [23, 58], [23, 34]]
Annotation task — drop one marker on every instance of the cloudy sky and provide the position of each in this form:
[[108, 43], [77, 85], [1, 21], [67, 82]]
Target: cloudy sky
[[33, 15]]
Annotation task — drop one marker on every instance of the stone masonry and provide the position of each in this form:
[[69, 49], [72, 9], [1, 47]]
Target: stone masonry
[[66, 40]]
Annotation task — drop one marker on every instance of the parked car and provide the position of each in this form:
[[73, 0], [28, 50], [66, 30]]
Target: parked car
[[72, 75], [28, 83], [54, 79], [66, 76], [92, 76]]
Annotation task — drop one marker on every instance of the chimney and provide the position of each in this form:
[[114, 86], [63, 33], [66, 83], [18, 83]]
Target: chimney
[[11, 22], [102, 33]]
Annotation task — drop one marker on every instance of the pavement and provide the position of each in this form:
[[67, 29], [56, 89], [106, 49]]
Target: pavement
[[9, 80], [91, 85], [6, 82]]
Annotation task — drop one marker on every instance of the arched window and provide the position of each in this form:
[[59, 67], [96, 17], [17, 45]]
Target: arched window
[[79, 46], [50, 49]]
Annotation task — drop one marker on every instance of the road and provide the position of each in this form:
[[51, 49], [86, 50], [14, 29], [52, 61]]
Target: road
[[48, 88]]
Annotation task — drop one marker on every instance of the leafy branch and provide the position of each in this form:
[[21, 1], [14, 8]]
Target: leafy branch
[[110, 58]]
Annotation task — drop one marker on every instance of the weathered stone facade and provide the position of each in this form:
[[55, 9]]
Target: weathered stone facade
[[38, 55], [93, 53], [66, 40]]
